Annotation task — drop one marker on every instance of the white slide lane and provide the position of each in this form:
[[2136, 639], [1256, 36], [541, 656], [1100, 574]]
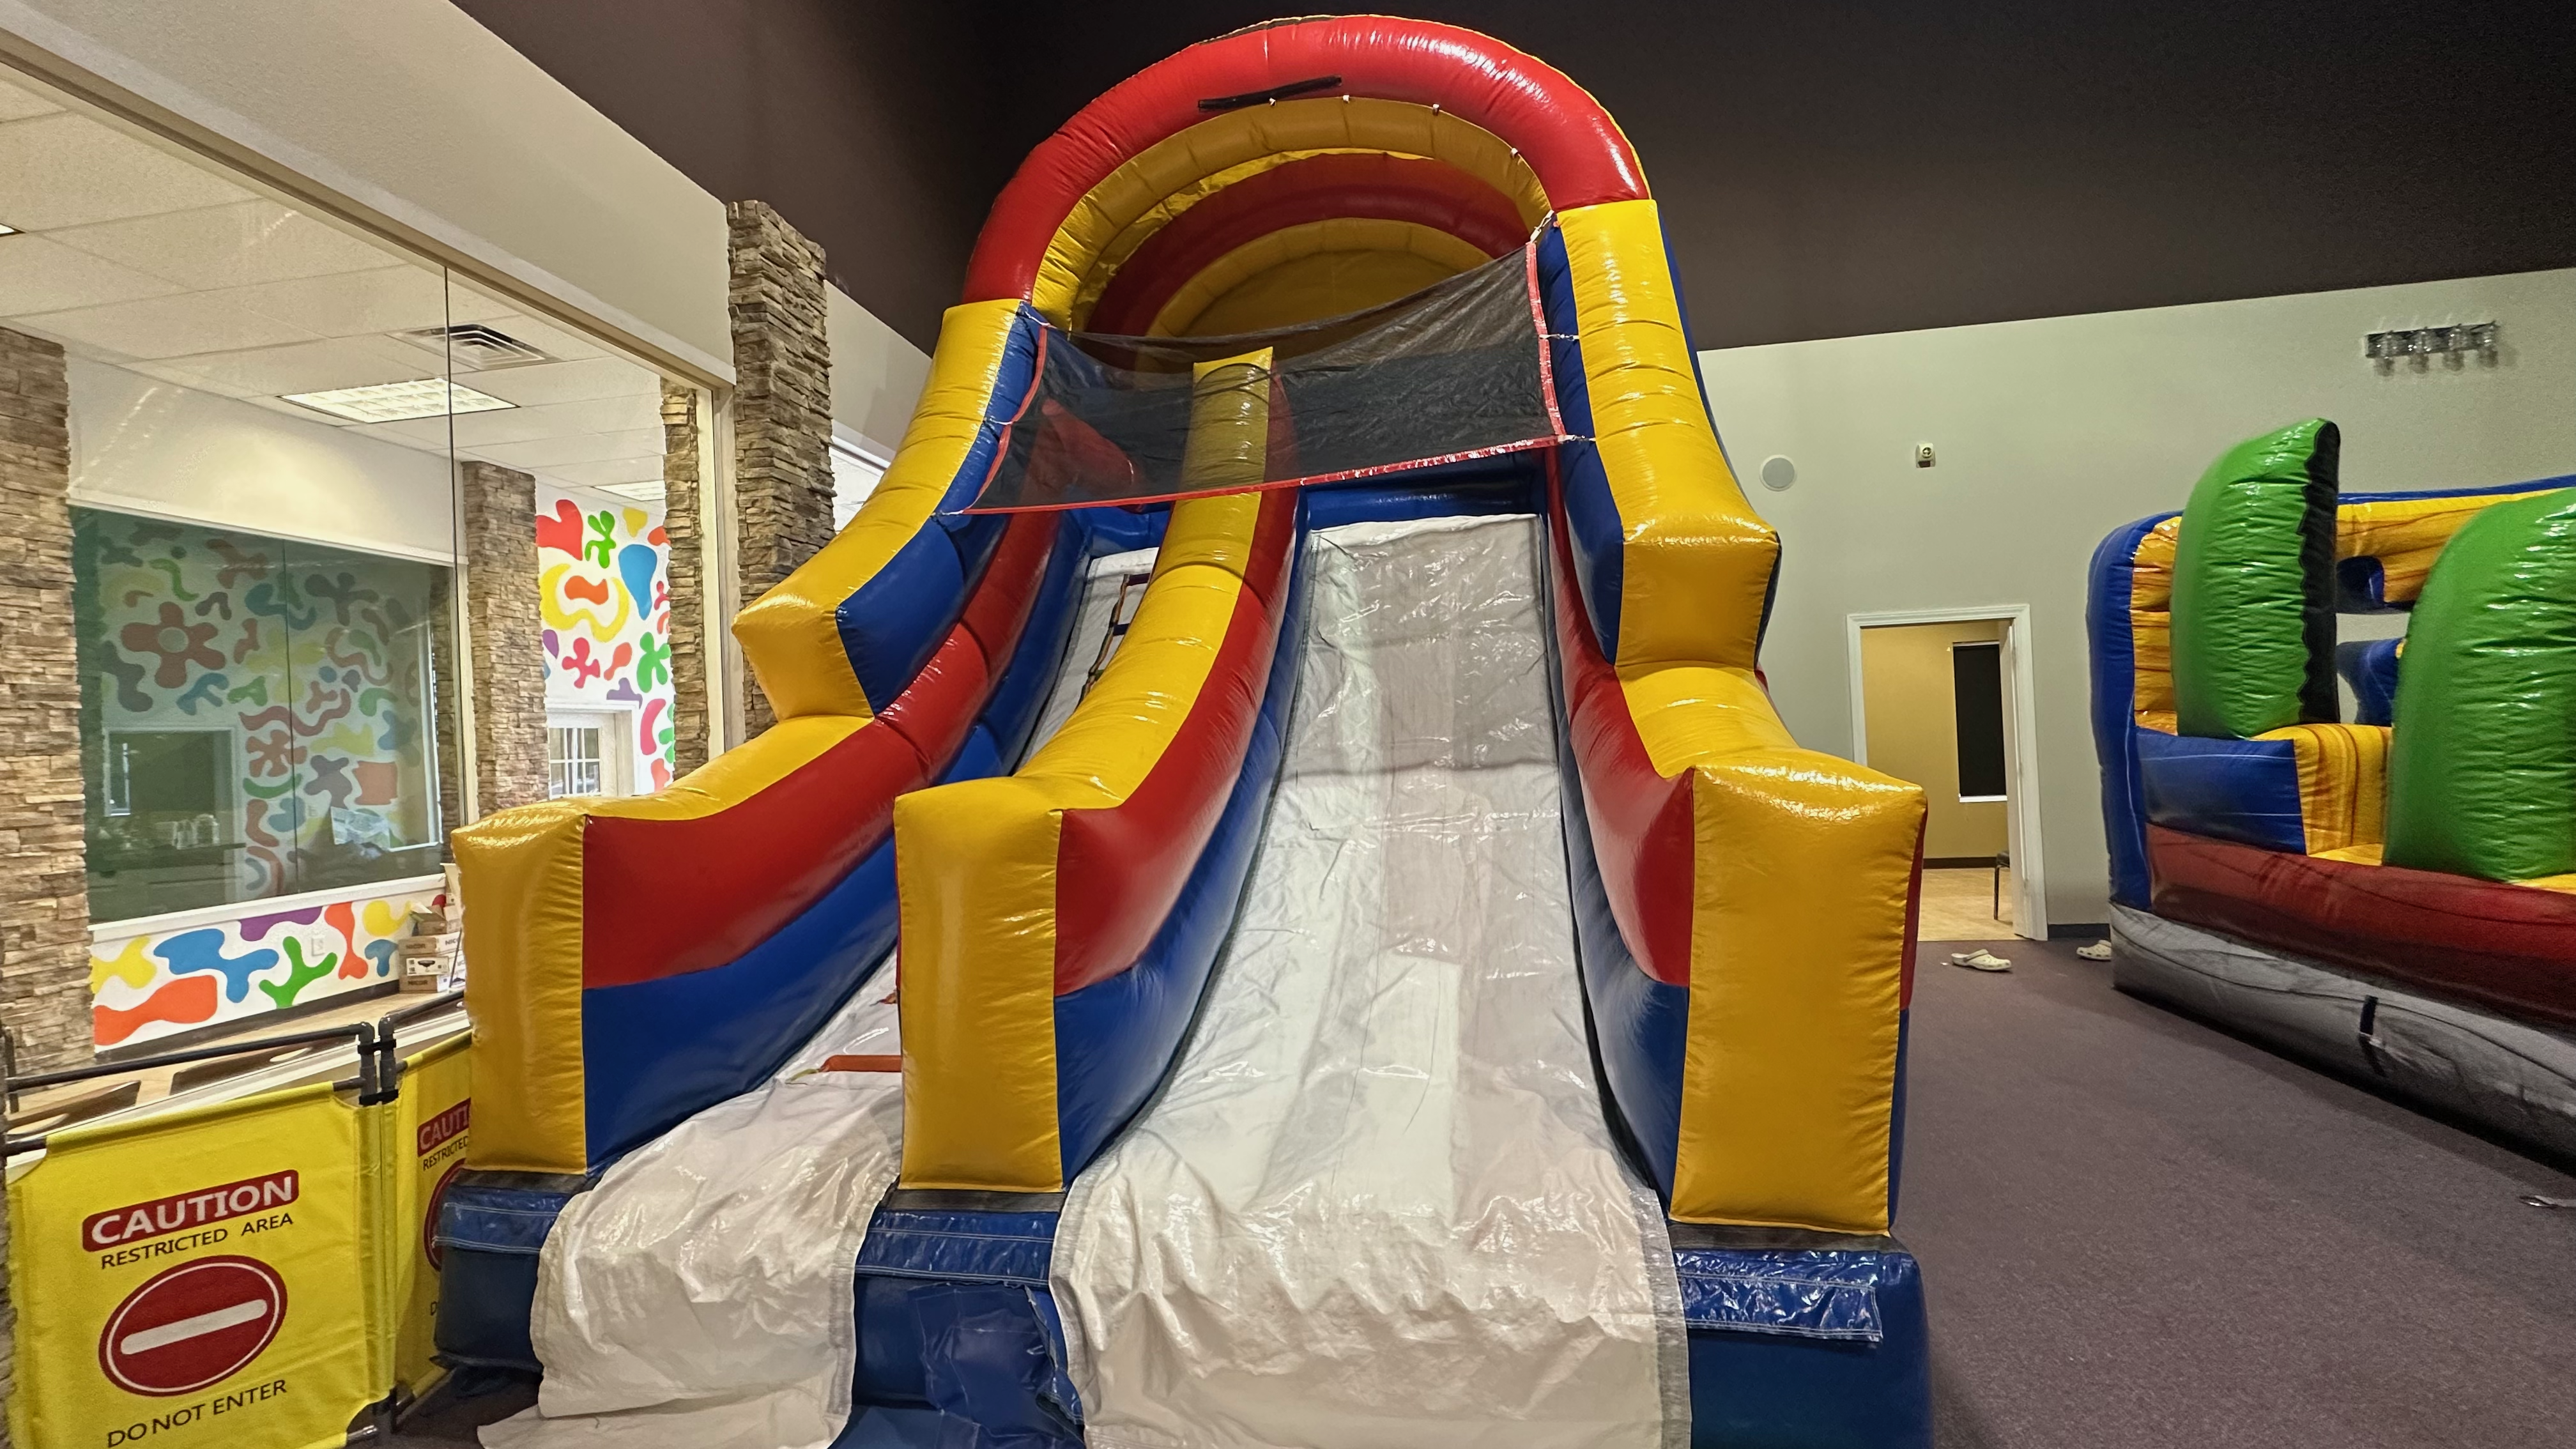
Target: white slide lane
[[1377, 1206]]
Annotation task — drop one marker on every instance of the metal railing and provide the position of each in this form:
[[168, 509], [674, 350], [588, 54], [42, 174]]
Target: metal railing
[[379, 1064]]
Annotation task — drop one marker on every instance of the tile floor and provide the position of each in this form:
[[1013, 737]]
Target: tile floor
[[1959, 905]]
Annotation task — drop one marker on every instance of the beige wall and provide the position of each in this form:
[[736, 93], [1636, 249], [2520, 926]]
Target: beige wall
[[2051, 433], [1913, 729], [877, 377]]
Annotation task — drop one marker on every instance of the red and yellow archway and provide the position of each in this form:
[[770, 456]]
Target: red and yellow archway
[[1295, 170]]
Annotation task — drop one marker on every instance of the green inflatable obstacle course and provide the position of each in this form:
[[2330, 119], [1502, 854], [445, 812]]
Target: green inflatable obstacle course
[[2254, 591], [2482, 774]]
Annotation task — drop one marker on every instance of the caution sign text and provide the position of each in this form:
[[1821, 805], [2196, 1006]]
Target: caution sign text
[[202, 1278], [139, 1222]]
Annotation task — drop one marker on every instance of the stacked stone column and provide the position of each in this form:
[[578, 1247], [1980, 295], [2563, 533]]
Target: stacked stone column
[[782, 408], [505, 644], [44, 884], [683, 525]]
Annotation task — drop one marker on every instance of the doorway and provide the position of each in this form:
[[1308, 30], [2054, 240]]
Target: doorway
[[1942, 698]]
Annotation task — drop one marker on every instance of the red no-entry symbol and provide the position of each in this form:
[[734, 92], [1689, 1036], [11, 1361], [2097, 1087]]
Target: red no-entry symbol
[[192, 1326], [429, 1224]]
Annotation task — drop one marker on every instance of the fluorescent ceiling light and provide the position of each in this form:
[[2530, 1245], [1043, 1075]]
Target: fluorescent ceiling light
[[640, 492], [396, 402]]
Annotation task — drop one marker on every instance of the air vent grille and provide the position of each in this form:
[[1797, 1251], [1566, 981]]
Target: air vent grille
[[476, 347]]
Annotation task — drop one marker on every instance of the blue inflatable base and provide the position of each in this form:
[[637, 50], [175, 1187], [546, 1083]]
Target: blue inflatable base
[[961, 1345], [1807, 1350], [491, 1226]]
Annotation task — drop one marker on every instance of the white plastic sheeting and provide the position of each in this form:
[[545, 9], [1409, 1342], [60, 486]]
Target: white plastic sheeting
[[700, 1294], [1377, 1207]]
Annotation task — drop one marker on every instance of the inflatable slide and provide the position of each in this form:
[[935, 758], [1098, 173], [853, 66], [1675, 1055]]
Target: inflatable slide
[[2392, 896], [1277, 910]]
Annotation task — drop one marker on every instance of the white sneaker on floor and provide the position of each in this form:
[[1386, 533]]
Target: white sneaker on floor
[[1980, 959], [2098, 951]]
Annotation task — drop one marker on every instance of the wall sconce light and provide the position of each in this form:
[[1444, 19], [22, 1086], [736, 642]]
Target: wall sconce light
[[2423, 343]]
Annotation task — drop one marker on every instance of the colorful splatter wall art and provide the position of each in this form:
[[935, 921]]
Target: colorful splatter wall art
[[605, 572], [255, 715], [160, 983], [255, 723]]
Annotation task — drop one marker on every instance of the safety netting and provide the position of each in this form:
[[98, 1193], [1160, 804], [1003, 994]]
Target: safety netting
[[1457, 370]]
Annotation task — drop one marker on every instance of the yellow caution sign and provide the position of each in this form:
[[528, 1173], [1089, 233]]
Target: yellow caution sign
[[199, 1279], [431, 1122]]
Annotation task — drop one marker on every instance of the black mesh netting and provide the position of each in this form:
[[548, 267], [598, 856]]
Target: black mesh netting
[[1456, 370]]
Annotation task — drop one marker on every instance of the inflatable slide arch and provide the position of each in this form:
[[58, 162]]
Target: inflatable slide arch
[[1332, 188]]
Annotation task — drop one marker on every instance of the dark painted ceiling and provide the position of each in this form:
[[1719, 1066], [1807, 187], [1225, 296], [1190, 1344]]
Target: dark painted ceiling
[[1827, 167]]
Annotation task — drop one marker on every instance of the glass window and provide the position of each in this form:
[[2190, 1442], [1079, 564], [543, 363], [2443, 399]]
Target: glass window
[[257, 714], [572, 760], [268, 408]]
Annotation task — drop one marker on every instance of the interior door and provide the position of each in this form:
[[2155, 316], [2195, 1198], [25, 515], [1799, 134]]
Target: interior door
[[2030, 906]]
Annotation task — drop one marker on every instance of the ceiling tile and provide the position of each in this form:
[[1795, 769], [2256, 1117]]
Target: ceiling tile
[[173, 326], [352, 304], [39, 275], [559, 382], [299, 367], [512, 425], [637, 443], [599, 415], [18, 103], [552, 452], [601, 475], [181, 377], [228, 246], [66, 170], [580, 448], [418, 432]]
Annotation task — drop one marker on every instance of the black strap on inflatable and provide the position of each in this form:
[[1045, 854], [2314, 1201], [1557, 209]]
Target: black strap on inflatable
[[1275, 93], [2370, 1035], [961, 1200], [1778, 1240]]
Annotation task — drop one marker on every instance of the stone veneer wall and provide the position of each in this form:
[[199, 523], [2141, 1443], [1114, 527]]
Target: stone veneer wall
[[44, 882], [681, 525], [782, 407], [448, 713], [497, 542]]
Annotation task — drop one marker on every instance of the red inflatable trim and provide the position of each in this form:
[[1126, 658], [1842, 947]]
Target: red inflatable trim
[[1642, 827], [2510, 948], [1070, 452], [665, 897], [1913, 916], [1119, 870], [1388, 188], [1564, 134]]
